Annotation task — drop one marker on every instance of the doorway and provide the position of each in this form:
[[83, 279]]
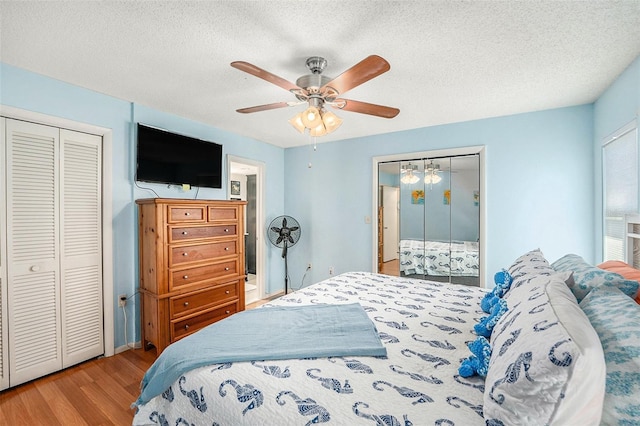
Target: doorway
[[246, 179], [389, 225]]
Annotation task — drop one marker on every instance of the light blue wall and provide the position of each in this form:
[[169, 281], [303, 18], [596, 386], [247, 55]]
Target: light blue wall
[[539, 189], [617, 106], [29, 91]]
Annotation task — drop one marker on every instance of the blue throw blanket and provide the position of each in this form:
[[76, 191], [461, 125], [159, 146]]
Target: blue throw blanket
[[269, 333]]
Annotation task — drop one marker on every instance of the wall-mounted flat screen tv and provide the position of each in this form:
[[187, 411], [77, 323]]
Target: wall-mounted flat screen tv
[[165, 157]]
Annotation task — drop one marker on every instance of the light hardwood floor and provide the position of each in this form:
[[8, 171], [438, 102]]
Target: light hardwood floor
[[95, 393]]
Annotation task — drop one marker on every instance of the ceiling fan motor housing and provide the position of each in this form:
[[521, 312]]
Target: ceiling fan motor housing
[[316, 64]]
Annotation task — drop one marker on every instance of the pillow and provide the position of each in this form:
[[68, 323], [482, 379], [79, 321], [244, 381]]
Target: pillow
[[530, 266], [540, 357], [584, 393], [532, 263], [586, 277], [616, 319], [621, 268]]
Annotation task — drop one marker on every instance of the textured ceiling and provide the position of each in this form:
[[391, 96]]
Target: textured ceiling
[[450, 61]]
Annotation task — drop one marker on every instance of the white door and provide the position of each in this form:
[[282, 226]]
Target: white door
[[33, 252], [390, 222], [54, 249], [4, 323], [81, 247]]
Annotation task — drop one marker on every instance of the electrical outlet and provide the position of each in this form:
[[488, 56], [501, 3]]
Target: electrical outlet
[[308, 266], [122, 300], [330, 270]]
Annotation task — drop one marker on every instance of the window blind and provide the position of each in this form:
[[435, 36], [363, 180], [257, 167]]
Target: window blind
[[620, 184]]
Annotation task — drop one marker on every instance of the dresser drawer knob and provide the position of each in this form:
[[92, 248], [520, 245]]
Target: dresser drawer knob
[[185, 254], [227, 292], [186, 303], [186, 213], [185, 277], [226, 249], [226, 269], [186, 327], [226, 312], [226, 230], [184, 232]]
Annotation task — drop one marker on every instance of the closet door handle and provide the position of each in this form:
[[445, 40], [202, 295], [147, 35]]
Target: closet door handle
[[34, 268]]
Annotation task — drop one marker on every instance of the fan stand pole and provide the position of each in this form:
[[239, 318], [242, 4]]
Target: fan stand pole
[[286, 268], [286, 276]]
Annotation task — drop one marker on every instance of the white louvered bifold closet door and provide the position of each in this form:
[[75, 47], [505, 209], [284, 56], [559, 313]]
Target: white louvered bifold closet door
[[81, 247], [4, 323], [33, 251], [54, 249]]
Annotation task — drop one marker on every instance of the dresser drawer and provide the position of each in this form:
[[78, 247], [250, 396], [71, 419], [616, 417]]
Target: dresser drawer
[[185, 233], [219, 213], [183, 327], [201, 252], [202, 299], [191, 276], [187, 214]]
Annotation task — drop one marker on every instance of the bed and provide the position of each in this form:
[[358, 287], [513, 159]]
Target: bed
[[427, 330], [436, 258]]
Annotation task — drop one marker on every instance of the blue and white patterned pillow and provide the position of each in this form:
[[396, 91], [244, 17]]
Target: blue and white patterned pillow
[[586, 277], [532, 357], [616, 319], [524, 268]]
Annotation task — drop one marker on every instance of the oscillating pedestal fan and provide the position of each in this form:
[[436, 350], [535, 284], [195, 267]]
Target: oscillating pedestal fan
[[284, 232]]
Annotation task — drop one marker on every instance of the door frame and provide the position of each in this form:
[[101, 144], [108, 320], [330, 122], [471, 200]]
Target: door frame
[[107, 207], [450, 152], [260, 230]]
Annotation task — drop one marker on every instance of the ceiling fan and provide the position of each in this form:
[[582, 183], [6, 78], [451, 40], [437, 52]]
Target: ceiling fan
[[319, 91]]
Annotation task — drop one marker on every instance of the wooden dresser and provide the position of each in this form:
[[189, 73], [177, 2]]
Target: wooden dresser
[[191, 266]]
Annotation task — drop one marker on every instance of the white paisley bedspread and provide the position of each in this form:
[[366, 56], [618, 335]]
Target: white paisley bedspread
[[424, 326], [435, 258]]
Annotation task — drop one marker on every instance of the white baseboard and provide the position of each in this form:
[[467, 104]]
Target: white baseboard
[[120, 349]]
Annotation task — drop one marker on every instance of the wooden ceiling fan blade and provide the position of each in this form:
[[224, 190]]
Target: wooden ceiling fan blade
[[263, 107], [265, 75], [370, 67], [367, 108]]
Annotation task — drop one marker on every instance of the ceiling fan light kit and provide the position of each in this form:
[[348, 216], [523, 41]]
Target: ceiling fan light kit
[[320, 91]]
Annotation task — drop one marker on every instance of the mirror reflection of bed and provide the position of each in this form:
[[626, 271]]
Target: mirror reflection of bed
[[429, 219]]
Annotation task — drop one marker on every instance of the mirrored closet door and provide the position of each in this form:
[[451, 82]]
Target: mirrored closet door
[[436, 213]]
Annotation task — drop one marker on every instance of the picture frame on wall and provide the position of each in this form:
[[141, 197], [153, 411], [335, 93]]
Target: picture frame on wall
[[235, 187]]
